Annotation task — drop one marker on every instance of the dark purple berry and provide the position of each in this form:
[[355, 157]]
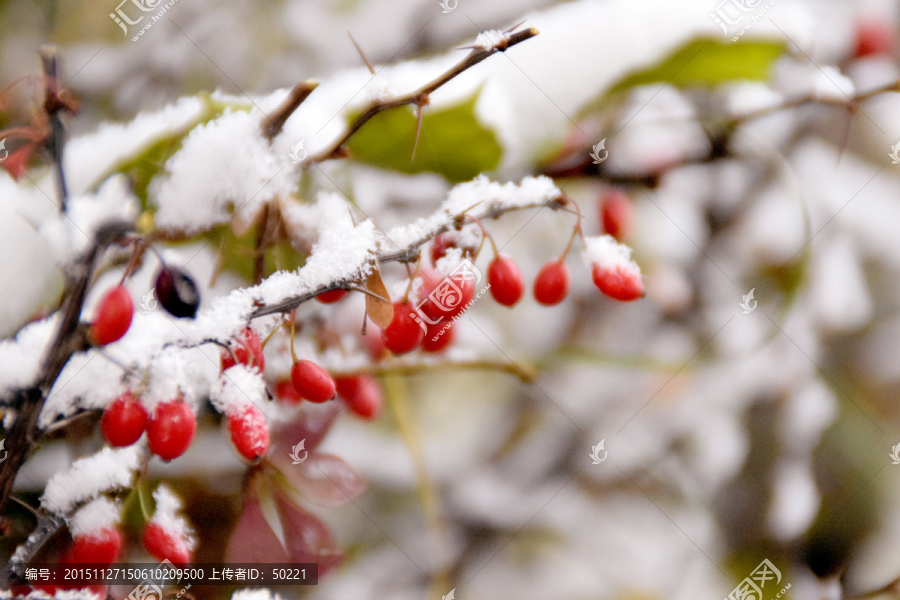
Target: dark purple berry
[[177, 292]]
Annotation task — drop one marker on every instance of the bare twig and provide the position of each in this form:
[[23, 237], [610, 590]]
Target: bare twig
[[404, 255], [336, 150], [71, 337], [273, 124], [47, 526], [53, 107]]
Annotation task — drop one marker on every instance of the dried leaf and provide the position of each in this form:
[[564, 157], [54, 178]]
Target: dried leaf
[[380, 311]]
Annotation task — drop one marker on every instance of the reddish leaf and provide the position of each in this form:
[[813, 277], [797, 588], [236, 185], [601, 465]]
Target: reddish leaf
[[323, 479], [306, 537], [253, 540], [16, 162], [311, 425]]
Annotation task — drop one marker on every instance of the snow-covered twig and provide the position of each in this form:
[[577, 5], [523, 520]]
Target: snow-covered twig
[[273, 124], [419, 97], [71, 337], [440, 222], [47, 526]]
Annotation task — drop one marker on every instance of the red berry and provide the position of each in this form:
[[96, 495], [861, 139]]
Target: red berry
[[101, 547], [163, 544], [616, 214], [551, 286], [505, 279], [248, 351], [113, 318], [874, 37], [449, 298], [332, 296], [404, 334], [171, 429], [439, 246], [249, 432], [285, 391], [618, 282], [312, 382], [362, 395], [374, 343], [123, 421], [435, 341]]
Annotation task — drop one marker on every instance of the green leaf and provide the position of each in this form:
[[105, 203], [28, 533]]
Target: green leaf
[[453, 142], [239, 253], [143, 167], [705, 62]]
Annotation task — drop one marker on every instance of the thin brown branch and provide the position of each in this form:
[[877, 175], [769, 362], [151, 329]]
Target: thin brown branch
[[274, 123], [71, 337], [525, 376], [47, 526], [53, 106], [404, 255], [336, 150]]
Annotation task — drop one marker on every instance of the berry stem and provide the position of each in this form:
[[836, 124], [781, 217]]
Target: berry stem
[[268, 337], [293, 354], [484, 235], [575, 233], [139, 488], [367, 292]]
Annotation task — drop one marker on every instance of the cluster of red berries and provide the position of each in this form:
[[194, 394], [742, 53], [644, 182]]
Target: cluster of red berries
[[308, 381], [169, 431], [429, 325]]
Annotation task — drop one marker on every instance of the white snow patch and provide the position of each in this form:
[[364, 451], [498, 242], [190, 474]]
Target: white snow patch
[[225, 169], [238, 386], [604, 251], [168, 507], [102, 513], [89, 477]]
